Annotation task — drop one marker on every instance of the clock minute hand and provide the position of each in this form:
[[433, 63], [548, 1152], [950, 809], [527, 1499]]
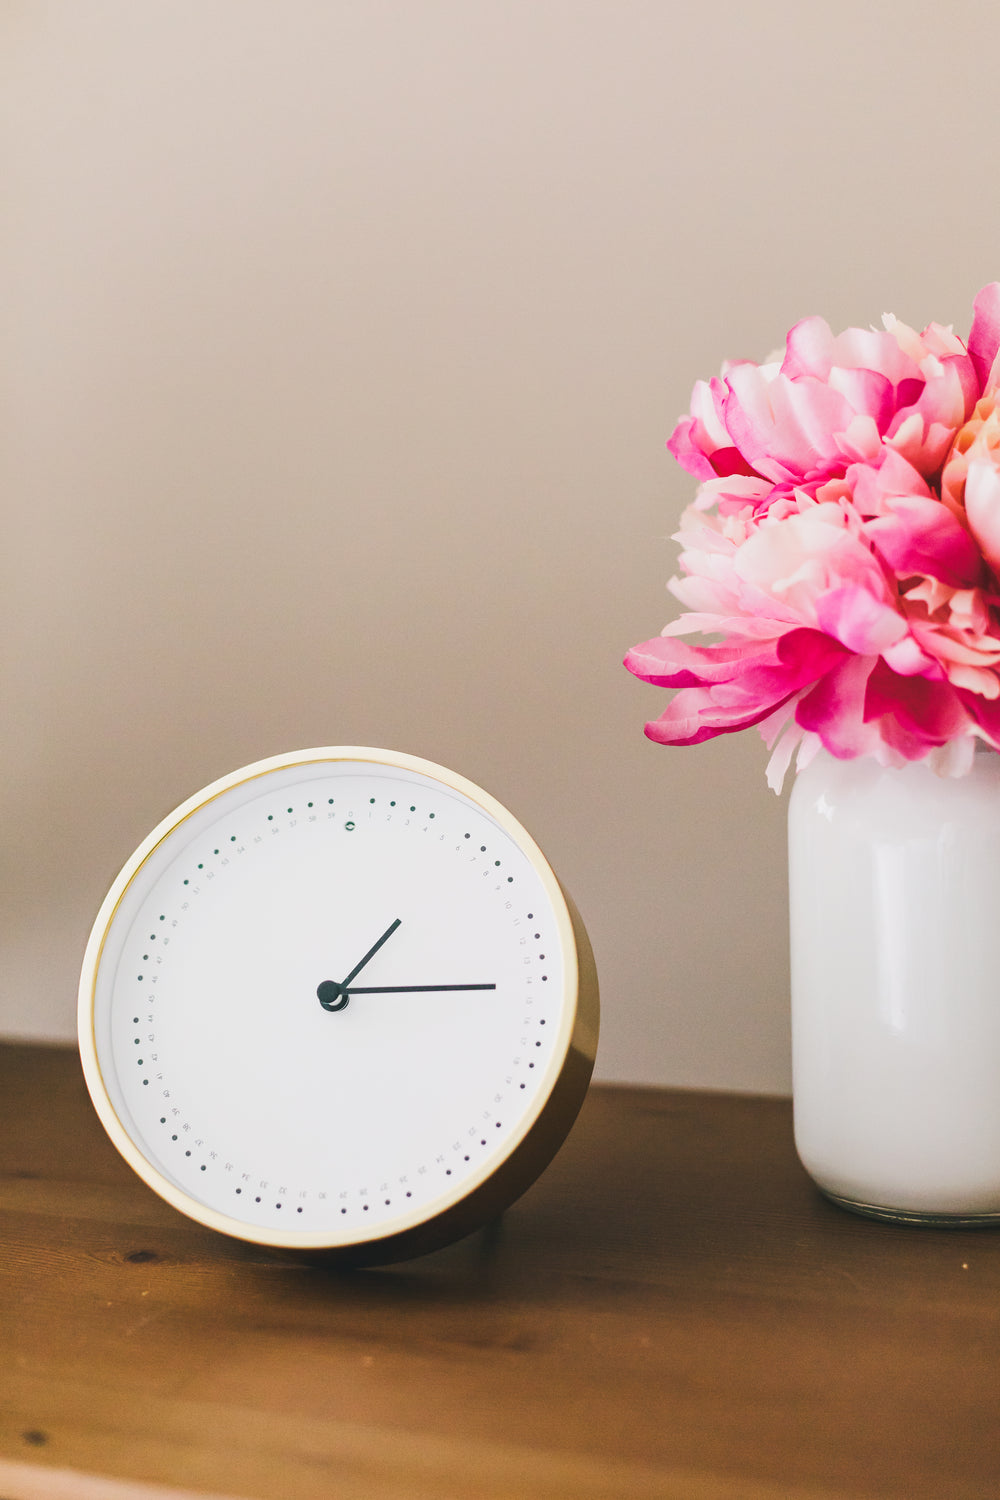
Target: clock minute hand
[[412, 989]]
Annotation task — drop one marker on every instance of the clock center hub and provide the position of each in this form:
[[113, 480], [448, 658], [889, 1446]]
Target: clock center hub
[[331, 995]]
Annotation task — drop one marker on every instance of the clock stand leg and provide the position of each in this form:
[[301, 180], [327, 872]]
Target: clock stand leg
[[490, 1237]]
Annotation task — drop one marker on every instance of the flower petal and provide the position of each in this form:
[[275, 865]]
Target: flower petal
[[700, 441], [666, 661], [859, 621], [785, 428], [834, 709], [695, 715], [984, 339], [923, 712], [920, 535], [982, 506]]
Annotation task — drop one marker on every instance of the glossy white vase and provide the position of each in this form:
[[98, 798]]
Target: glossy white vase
[[895, 950]]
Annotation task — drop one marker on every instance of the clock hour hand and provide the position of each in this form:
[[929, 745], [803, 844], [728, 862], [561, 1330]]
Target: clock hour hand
[[371, 953], [334, 996]]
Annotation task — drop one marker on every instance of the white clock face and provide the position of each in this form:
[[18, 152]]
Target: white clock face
[[328, 998]]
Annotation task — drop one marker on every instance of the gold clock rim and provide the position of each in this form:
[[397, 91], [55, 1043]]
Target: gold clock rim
[[484, 1194]]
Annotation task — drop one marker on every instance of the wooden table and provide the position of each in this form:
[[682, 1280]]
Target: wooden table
[[671, 1311]]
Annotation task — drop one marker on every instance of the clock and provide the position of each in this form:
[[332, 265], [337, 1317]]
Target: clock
[[338, 1004]]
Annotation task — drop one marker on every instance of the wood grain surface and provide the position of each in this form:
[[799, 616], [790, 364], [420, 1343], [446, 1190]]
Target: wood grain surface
[[671, 1311]]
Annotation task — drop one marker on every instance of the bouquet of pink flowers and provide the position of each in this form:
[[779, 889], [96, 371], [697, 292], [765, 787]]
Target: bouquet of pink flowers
[[844, 546]]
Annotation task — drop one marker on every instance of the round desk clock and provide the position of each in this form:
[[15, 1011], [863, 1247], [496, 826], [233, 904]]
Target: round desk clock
[[337, 1003]]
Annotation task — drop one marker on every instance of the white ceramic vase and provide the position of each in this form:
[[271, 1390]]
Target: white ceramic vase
[[895, 951]]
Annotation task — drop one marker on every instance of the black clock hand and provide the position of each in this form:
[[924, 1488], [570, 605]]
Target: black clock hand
[[412, 989], [370, 954], [334, 996]]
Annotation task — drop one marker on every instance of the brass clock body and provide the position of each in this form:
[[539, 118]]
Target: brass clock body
[[338, 1004]]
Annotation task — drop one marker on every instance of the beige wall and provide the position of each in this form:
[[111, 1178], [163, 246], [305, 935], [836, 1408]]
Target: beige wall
[[340, 344]]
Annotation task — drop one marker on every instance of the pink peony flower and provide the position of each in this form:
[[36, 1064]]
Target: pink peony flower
[[844, 545]]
